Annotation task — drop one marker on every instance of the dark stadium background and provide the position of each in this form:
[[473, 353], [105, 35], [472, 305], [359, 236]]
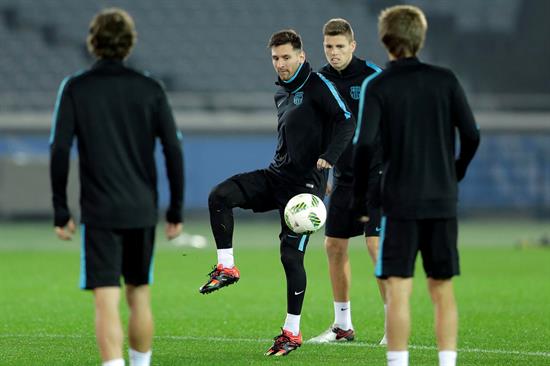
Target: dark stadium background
[[212, 57]]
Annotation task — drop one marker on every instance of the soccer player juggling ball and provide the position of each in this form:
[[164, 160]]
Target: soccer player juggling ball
[[347, 72], [116, 115], [314, 127], [416, 109]]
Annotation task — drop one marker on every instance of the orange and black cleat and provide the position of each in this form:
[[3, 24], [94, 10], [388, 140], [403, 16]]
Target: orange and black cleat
[[220, 277], [285, 343]]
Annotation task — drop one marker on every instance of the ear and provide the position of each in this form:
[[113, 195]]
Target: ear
[[302, 57], [353, 45]]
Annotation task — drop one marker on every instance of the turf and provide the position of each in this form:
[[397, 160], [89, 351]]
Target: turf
[[503, 295]]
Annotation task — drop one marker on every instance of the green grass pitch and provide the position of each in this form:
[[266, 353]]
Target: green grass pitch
[[503, 295]]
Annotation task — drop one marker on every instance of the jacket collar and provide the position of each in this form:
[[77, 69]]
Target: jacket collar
[[355, 66], [298, 79], [108, 63], [408, 61]]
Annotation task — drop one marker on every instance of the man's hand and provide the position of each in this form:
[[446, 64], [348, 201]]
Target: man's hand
[[363, 219], [323, 164], [359, 208], [172, 230], [460, 170], [66, 232]]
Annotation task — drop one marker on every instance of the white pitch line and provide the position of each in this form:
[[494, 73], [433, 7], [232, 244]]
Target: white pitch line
[[262, 340]]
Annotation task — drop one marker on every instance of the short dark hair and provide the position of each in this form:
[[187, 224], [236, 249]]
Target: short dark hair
[[402, 29], [338, 27], [285, 36], [112, 34]]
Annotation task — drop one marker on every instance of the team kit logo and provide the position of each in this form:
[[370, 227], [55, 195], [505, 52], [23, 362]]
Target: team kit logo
[[298, 98], [355, 92]]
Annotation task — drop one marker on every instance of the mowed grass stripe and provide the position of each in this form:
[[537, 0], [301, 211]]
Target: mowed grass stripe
[[267, 340]]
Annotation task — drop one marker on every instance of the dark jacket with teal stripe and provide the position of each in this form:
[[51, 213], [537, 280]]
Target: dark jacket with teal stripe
[[116, 115], [417, 109], [348, 82], [314, 122]]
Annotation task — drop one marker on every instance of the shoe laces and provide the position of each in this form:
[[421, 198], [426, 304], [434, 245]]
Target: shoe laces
[[214, 272], [282, 338]]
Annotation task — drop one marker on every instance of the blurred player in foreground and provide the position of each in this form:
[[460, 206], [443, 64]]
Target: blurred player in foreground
[[416, 109], [347, 73], [314, 127], [116, 115]]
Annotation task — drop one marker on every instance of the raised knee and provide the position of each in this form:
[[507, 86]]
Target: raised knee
[[217, 196]]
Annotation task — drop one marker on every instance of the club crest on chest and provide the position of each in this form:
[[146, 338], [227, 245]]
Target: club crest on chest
[[298, 98], [355, 92]]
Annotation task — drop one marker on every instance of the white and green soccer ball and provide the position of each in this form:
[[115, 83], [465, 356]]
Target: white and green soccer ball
[[305, 213]]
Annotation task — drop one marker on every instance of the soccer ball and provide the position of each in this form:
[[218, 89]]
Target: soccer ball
[[305, 213]]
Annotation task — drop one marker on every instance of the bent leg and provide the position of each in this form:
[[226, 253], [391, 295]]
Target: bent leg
[[221, 201], [107, 322]]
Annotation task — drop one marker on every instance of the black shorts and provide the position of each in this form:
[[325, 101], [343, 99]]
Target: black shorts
[[401, 240], [264, 191], [342, 221], [108, 254]]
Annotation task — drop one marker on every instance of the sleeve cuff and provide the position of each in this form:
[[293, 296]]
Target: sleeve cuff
[[328, 159], [60, 220], [174, 216]]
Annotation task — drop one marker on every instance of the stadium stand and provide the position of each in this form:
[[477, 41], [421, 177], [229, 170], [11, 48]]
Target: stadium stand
[[212, 57], [216, 47], [207, 46]]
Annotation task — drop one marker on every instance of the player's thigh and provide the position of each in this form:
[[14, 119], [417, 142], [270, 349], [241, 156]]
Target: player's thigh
[[398, 248], [438, 245], [137, 257], [341, 221], [256, 189], [101, 257]]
